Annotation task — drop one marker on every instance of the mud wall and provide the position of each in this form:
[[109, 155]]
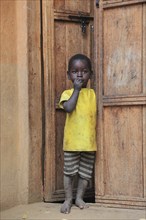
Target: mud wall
[[20, 103]]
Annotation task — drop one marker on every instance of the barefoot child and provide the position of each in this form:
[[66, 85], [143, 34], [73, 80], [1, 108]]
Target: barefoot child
[[79, 143]]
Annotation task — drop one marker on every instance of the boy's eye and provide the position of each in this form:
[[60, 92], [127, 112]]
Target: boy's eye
[[74, 72], [85, 71]]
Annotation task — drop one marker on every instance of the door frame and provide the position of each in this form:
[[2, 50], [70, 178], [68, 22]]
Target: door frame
[[49, 105], [49, 97]]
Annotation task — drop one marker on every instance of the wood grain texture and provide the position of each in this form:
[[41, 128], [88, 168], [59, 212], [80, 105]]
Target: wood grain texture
[[120, 36], [144, 91], [116, 3], [123, 151], [123, 50], [48, 56], [35, 102], [68, 5]]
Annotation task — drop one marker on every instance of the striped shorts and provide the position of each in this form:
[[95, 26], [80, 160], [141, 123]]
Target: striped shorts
[[79, 162]]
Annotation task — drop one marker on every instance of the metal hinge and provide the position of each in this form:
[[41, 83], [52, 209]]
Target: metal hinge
[[97, 3], [83, 20]]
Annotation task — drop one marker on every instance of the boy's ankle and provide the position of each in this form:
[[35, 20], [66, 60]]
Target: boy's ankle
[[70, 200]]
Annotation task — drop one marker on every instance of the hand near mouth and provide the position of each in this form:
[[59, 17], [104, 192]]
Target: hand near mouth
[[78, 84]]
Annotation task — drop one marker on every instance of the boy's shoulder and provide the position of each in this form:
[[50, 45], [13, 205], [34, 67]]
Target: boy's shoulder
[[84, 90], [67, 91]]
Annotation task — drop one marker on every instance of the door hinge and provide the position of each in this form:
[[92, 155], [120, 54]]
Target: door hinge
[[97, 3], [83, 20]]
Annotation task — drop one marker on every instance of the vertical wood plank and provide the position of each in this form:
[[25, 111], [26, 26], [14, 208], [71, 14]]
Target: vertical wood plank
[[60, 85], [60, 121], [35, 104], [48, 42], [144, 48], [76, 42], [60, 57], [99, 167], [73, 46], [144, 150], [144, 91]]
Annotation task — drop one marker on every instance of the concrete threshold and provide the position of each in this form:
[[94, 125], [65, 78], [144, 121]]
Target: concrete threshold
[[51, 211]]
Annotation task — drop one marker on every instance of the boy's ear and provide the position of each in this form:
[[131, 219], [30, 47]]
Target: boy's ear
[[68, 75]]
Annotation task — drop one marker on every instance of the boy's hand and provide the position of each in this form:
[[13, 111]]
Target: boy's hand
[[70, 104], [78, 84]]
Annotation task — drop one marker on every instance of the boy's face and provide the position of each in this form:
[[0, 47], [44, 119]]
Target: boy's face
[[80, 70]]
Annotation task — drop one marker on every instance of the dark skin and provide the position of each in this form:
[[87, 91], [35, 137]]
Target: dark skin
[[79, 74]]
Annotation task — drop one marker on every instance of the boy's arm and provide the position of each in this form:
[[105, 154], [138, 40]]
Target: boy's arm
[[70, 104]]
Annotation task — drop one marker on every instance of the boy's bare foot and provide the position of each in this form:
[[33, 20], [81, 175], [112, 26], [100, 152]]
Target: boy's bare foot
[[82, 185], [81, 204], [66, 207]]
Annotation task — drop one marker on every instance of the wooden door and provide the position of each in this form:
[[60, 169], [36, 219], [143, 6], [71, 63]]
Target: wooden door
[[63, 36], [120, 57]]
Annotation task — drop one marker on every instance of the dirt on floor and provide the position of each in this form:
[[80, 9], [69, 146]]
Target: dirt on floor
[[51, 211]]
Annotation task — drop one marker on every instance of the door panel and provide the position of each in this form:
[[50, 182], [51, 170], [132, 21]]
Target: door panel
[[123, 151], [120, 58], [66, 44], [62, 38], [122, 50]]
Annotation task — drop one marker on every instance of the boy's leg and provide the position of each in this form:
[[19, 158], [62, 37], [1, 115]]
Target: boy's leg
[[87, 160], [71, 164], [68, 185], [82, 185]]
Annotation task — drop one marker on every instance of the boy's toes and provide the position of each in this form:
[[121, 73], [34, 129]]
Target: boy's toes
[[81, 204], [66, 207]]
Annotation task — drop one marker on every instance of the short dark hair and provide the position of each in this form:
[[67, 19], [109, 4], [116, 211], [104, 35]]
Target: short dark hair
[[79, 57]]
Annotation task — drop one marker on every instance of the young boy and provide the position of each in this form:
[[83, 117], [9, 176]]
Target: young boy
[[79, 143]]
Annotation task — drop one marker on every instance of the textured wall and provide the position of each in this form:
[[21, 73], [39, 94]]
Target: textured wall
[[19, 172]]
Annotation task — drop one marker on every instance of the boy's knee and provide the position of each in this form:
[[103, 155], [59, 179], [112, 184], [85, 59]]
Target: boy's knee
[[85, 177], [70, 174]]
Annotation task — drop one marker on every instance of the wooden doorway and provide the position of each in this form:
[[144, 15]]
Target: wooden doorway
[[120, 67], [67, 29], [121, 62]]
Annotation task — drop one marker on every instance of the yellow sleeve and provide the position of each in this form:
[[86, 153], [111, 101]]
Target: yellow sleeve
[[64, 97]]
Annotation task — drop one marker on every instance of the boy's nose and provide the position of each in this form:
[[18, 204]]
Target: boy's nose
[[79, 74]]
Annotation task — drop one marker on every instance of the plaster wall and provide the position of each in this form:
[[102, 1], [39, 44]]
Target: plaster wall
[[19, 172], [14, 101]]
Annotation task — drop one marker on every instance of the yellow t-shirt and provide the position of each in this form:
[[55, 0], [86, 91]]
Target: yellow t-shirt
[[80, 125]]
